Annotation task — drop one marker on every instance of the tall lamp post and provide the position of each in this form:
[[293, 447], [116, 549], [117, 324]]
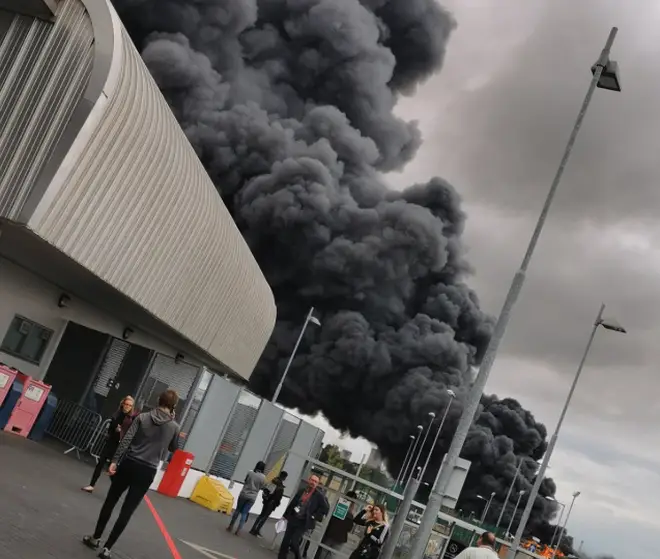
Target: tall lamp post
[[418, 437], [310, 318], [563, 528], [561, 515], [608, 325], [515, 510], [605, 76], [451, 395], [508, 494], [483, 514], [405, 460], [415, 468]]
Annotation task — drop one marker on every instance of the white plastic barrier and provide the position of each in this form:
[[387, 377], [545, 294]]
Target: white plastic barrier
[[193, 476]]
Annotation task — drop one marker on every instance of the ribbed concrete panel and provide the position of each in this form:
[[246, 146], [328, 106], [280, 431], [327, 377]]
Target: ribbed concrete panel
[[44, 70], [138, 209]]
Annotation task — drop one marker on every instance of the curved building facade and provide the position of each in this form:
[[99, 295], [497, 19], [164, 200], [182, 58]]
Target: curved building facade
[[106, 208]]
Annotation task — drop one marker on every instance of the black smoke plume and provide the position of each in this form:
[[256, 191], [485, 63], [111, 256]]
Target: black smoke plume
[[289, 104]]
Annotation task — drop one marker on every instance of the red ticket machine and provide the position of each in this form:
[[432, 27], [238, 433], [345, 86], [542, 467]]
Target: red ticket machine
[[27, 408], [7, 377], [176, 473]]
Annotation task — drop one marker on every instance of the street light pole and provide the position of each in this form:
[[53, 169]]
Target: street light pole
[[515, 510], [608, 325], [483, 515], [606, 70], [421, 447], [508, 495], [561, 515], [452, 395], [563, 528], [420, 428], [310, 318], [405, 460]]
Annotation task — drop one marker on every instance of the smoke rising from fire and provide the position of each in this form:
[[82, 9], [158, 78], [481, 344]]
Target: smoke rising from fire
[[289, 104]]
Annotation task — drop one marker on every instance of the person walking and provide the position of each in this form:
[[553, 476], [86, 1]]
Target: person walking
[[272, 500], [374, 518], [307, 505], [485, 548], [253, 483], [134, 467], [120, 422]]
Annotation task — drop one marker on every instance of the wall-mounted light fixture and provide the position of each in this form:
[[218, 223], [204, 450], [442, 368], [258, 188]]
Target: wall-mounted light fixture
[[179, 357], [127, 333], [63, 301]]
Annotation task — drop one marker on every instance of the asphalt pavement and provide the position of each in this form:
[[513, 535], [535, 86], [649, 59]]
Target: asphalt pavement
[[44, 514]]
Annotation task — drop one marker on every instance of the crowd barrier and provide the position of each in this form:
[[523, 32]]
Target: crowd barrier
[[79, 428]]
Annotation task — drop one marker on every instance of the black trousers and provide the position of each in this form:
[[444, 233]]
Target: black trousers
[[264, 515], [107, 452], [291, 540], [131, 476]]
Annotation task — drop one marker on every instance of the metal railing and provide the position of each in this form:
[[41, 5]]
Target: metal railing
[[76, 426], [99, 440]]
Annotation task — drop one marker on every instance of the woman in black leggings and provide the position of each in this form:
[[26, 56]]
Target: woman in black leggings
[[134, 467], [120, 423]]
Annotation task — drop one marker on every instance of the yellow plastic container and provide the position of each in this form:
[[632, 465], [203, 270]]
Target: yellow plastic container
[[212, 495]]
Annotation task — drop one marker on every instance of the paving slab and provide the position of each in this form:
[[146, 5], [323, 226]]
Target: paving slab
[[44, 514]]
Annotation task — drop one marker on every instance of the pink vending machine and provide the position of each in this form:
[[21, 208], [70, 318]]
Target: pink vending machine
[[28, 407], [7, 377]]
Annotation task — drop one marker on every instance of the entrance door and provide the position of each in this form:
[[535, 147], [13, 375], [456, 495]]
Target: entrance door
[[128, 378], [76, 361]]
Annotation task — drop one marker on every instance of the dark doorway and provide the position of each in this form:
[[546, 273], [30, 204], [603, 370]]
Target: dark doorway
[[76, 360], [128, 378]]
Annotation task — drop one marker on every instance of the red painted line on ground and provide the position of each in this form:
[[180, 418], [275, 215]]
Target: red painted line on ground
[[161, 526]]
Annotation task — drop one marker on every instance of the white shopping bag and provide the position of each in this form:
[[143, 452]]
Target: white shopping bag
[[280, 526]]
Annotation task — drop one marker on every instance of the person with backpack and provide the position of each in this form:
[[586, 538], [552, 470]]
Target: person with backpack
[[253, 483], [272, 497], [134, 466]]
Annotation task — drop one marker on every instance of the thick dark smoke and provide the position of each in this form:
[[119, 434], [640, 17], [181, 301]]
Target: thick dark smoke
[[289, 104]]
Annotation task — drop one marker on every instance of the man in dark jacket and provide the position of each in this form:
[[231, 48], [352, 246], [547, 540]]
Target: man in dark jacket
[[307, 505], [272, 499]]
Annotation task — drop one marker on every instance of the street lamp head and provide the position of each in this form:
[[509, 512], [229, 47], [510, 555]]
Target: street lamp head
[[612, 324], [492, 494], [314, 320], [431, 414], [420, 427], [609, 78], [413, 437], [576, 494], [522, 491], [480, 497], [451, 393]]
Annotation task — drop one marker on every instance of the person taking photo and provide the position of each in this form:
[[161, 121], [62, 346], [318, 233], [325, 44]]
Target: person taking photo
[[119, 425]]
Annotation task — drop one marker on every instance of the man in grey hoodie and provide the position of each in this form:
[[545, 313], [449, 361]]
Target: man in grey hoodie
[[254, 481], [134, 467]]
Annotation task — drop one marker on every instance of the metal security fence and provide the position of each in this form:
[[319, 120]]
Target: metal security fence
[[77, 427], [98, 441]]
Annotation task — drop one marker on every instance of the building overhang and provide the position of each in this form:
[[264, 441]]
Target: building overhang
[[43, 9], [25, 249]]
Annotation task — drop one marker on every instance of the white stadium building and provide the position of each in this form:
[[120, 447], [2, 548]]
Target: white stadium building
[[121, 270]]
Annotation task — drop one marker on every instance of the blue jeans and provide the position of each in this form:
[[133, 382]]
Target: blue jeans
[[243, 506]]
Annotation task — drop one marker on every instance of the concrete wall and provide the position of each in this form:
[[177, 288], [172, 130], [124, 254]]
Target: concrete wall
[[24, 293]]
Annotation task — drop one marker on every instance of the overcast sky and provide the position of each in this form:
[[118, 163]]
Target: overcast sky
[[496, 121]]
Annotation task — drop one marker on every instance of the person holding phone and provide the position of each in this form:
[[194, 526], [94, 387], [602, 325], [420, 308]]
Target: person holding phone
[[134, 466], [118, 426]]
